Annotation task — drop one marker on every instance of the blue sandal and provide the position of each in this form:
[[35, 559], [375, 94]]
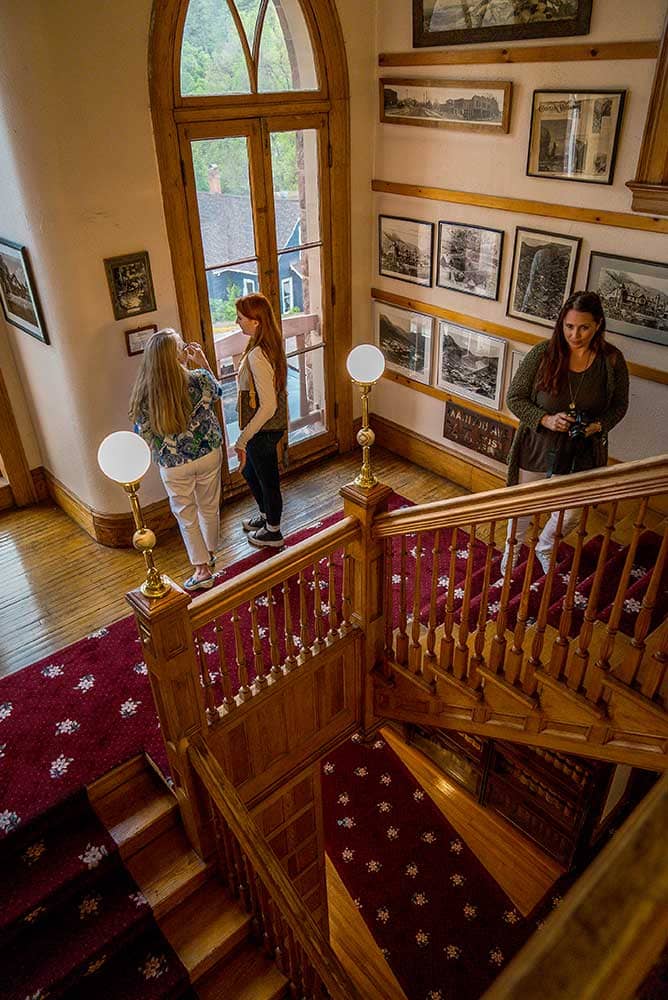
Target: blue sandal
[[192, 583]]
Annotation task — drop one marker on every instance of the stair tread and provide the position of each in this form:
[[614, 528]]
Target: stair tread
[[250, 975], [132, 810], [167, 869]]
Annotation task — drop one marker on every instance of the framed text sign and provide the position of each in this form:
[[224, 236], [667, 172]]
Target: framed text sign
[[473, 430]]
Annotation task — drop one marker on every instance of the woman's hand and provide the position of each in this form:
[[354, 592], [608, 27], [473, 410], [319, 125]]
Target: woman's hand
[[556, 421], [241, 455], [195, 355]]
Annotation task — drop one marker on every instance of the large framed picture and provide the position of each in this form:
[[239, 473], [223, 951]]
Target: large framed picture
[[542, 274], [634, 295], [17, 291], [470, 363], [405, 338], [475, 105], [405, 249], [453, 22], [574, 134], [130, 284], [469, 259]]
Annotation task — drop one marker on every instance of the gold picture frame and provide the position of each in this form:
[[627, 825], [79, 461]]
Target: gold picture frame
[[470, 105]]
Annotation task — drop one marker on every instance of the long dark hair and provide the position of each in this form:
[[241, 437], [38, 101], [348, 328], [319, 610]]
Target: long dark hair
[[553, 370]]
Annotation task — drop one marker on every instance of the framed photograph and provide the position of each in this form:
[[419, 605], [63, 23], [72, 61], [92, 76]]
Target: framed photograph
[[469, 259], [542, 274], [452, 22], [634, 294], [574, 134], [405, 339], [475, 105], [516, 359], [130, 284], [473, 430], [405, 249], [17, 291], [470, 363], [137, 338]]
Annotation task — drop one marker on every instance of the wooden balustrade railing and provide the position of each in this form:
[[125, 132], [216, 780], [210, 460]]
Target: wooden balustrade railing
[[250, 869]]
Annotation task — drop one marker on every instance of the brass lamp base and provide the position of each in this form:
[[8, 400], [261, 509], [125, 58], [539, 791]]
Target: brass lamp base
[[155, 588]]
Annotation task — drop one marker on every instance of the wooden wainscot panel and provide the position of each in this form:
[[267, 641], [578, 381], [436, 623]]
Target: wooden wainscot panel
[[237, 760], [268, 729], [632, 713], [556, 705], [330, 681]]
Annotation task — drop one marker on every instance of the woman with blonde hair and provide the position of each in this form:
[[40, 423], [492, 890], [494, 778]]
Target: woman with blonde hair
[[263, 417], [172, 407]]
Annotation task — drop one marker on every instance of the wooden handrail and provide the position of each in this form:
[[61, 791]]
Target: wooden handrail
[[279, 887], [261, 578], [611, 927], [628, 481]]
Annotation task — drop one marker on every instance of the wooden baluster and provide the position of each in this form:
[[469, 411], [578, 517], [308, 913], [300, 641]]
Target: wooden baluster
[[655, 670], [579, 656], [255, 909], [331, 598], [225, 865], [233, 875], [478, 657], [304, 632], [402, 636], [561, 644], [317, 608], [277, 935], [497, 652], [628, 671], [415, 652], [268, 938], [446, 653], [602, 665], [460, 665], [513, 667], [207, 683], [388, 602], [310, 978], [244, 692], [244, 890], [294, 953], [346, 600], [287, 950], [225, 680], [290, 648], [534, 662], [274, 654], [430, 655], [260, 681]]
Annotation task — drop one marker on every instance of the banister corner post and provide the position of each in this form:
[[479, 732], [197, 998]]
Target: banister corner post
[[168, 650], [366, 557]]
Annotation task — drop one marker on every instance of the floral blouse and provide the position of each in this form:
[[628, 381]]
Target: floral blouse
[[203, 433]]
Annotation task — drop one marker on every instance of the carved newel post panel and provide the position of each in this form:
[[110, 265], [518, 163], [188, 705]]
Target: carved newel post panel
[[365, 564], [169, 653]]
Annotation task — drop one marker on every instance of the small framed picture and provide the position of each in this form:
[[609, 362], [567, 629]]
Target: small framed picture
[[634, 295], [130, 284], [405, 249], [574, 134], [474, 105], [17, 291], [542, 274], [516, 359], [405, 338], [451, 22], [470, 363], [137, 338], [469, 259]]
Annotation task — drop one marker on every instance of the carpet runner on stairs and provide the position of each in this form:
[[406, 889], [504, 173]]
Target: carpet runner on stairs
[[74, 923]]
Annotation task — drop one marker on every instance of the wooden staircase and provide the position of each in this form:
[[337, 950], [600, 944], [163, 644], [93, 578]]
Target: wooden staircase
[[208, 930]]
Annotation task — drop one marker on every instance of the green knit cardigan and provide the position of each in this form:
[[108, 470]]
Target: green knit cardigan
[[521, 401]]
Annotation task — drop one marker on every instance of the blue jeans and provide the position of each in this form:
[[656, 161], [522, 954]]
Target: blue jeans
[[261, 474]]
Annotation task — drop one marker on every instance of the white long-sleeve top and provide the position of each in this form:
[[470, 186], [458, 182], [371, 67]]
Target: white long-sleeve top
[[263, 377]]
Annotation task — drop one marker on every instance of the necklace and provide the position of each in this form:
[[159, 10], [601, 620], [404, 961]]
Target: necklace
[[574, 395]]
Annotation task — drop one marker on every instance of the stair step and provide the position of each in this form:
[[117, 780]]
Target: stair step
[[136, 809], [168, 870], [205, 928], [250, 975]]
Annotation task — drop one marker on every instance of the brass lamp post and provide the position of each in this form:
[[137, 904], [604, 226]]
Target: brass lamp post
[[365, 365], [125, 458]]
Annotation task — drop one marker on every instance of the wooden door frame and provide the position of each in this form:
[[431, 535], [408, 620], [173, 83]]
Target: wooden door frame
[[13, 455]]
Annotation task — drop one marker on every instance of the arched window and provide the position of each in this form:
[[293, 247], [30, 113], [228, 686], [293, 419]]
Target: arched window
[[251, 130]]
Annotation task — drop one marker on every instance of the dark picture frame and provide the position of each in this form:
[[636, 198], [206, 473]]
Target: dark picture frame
[[574, 135], [130, 284], [406, 249], [18, 294], [442, 22], [406, 338], [471, 364], [472, 105], [480, 433], [137, 337], [634, 295], [471, 263], [542, 274]]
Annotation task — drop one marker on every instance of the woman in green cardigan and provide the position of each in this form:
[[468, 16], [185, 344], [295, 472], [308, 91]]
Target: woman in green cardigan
[[568, 393]]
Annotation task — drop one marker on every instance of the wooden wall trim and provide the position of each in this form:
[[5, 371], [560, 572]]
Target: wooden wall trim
[[650, 186], [523, 54], [496, 329], [13, 455], [525, 206]]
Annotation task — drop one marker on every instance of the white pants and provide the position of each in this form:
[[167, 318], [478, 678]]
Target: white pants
[[193, 489], [546, 538]]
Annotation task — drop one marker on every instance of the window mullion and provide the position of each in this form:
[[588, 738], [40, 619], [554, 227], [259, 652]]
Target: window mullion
[[251, 62], [267, 247]]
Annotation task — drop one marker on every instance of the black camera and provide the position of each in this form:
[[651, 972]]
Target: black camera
[[578, 429]]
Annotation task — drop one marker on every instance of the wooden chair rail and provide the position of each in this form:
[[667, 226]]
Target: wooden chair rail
[[257, 580], [628, 481], [277, 884]]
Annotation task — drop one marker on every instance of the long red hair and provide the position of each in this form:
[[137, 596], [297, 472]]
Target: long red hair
[[268, 336]]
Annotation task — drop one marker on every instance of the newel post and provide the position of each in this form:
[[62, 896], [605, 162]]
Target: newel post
[[169, 653], [366, 558]]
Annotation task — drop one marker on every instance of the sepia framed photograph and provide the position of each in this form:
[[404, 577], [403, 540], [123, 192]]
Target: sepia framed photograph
[[20, 303], [130, 284], [405, 248], [405, 338], [453, 22], [471, 429], [574, 134], [542, 274], [137, 338], [470, 363], [634, 295], [475, 105], [469, 259], [516, 359]]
